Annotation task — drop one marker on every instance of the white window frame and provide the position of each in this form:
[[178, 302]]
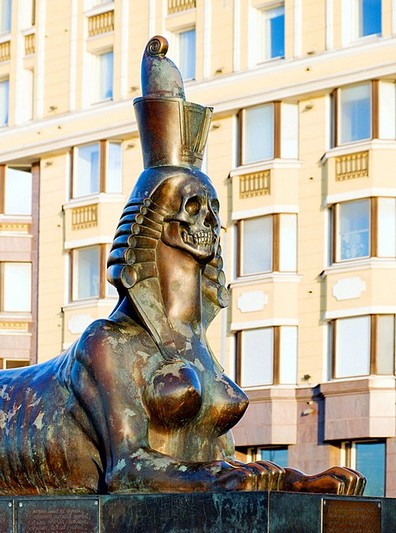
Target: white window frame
[[352, 22], [265, 15], [188, 73], [4, 101], [109, 177], [94, 294], [342, 136], [281, 241], [98, 83], [12, 197], [18, 288], [5, 13], [277, 361]]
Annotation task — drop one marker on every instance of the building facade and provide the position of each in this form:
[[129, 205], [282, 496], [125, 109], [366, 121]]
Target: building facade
[[302, 152]]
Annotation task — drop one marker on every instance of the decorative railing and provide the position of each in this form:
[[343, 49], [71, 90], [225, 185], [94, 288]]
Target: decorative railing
[[174, 6], [14, 227], [255, 184], [30, 44], [352, 166], [85, 217], [7, 325], [101, 23], [5, 51]]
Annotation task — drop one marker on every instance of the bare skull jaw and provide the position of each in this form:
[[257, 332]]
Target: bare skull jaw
[[201, 244]]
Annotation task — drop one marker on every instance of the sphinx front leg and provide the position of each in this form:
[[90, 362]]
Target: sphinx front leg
[[335, 480]]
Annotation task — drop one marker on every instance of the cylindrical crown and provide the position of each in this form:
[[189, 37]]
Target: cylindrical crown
[[172, 131]]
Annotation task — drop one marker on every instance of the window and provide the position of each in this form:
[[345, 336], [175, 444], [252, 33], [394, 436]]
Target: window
[[352, 347], [258, 133], [97, 168], [364, 228], [267, 356], [364, 345], [16, 287], [102, 78], [187, 53], [86, 268], [271, 33], [5, 16], [369, 458], [268, 131], [4, 102], [355, 113], [353, 235], [277, 455], [13, 180], [361, 18], [267, 243], [89, 273]]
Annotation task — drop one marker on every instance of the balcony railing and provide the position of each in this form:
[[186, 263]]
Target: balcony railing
[[101, 23], [14, 227], [174, 6], [30, 44], [5, 51], [9, 325], [85, 217], [255, 184], [352, 166]]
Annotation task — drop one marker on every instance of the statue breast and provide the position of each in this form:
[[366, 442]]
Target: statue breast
[[180, 393]]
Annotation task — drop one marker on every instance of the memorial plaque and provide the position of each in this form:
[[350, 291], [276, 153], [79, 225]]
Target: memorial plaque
[[353, 516], [57, 515], [5, 516]]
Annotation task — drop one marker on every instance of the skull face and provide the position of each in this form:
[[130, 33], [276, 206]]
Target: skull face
[[192, 224]]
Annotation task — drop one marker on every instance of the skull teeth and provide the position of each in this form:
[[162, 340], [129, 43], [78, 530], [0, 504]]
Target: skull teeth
[[200, 238]]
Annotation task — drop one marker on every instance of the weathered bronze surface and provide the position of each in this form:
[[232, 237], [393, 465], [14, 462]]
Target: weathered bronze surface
[[236, 512], [139, 403]]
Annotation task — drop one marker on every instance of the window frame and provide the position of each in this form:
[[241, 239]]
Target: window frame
[[7, 29], [349, 458], [276, 356], [3, 191], [181, 61], [254, 453], [29, 308], [6, 111], [103, 169], [276, 240], [103, 289], [358, 16], [276, 133], [97, 92], [373, 345], [264, 48], [335, 225], [373, 119], [376, 211]]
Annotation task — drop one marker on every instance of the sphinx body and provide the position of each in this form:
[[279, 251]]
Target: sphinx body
[[139, 403]]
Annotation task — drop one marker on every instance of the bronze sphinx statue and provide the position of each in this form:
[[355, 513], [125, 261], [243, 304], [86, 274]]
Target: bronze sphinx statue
[[139, 403]]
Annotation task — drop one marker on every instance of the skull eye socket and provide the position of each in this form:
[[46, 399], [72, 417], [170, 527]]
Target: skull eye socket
[[193, 205], [215, 206]]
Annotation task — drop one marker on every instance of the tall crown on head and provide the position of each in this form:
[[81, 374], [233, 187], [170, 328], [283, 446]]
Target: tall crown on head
[[172, 130]]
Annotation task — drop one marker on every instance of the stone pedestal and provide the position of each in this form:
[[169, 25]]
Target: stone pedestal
[[275, 512]]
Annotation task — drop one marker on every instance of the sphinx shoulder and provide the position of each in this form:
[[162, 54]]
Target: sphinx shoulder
[[108, 338]]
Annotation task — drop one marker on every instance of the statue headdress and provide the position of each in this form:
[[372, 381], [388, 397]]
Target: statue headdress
[[173, 135]]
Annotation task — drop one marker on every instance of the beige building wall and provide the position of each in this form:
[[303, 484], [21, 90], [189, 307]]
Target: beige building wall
[[53, 64]]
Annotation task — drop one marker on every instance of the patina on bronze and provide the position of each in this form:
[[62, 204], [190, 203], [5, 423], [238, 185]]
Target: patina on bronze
[[139, 403]]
